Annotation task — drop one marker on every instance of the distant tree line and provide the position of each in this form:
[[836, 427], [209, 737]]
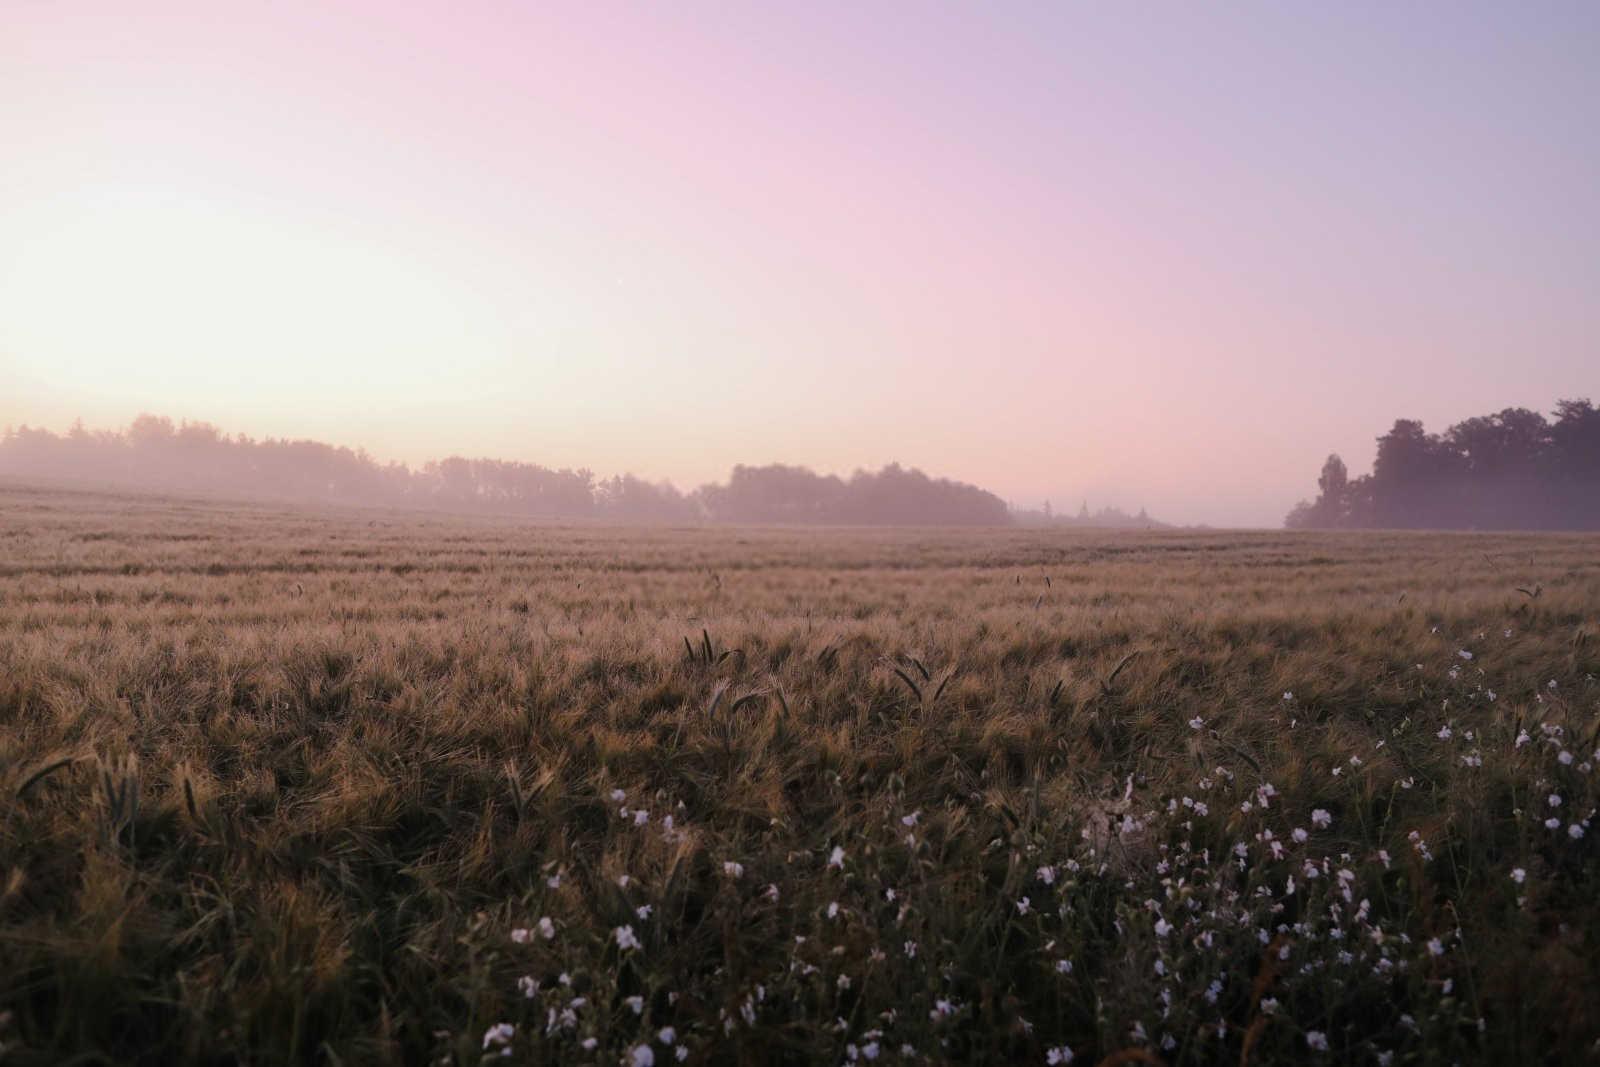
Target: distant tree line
[[892, 496], [154, 453], [1107, 518], [1515, 470]]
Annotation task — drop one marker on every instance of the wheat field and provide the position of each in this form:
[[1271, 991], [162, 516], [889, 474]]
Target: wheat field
[[347, 787]]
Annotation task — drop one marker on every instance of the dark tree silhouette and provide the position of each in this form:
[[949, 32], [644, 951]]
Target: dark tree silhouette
[[1513, 470]]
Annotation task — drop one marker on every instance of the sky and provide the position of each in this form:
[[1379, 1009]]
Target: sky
[[1148, 255]]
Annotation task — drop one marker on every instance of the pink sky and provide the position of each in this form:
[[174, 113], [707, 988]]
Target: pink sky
[[1150, 255]]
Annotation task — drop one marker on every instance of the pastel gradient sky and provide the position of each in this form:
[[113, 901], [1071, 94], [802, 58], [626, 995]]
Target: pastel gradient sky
[[1153, 255]]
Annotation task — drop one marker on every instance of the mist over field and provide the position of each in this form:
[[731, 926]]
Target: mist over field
[[793, 533], [153, 453], [1514, 470]]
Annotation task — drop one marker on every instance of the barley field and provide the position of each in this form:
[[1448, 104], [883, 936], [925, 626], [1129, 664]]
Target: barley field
[[288, 786]]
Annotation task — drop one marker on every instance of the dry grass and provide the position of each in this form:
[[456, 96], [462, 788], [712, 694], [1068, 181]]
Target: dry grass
[[279, 786]]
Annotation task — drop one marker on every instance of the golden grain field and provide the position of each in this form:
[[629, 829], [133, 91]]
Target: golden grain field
[[341, 787]]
